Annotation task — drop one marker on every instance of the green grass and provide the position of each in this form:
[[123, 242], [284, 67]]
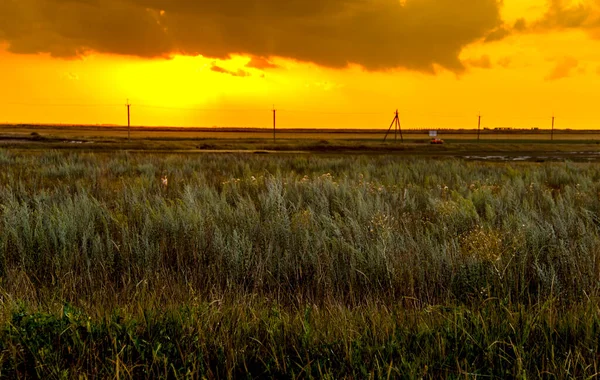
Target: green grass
[[261, 339], [296, 266]]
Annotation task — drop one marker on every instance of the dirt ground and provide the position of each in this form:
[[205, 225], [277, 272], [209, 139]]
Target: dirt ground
[[492, 145]]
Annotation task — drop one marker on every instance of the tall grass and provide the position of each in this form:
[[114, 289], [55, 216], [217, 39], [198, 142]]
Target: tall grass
[[317, 229], [350, 235]]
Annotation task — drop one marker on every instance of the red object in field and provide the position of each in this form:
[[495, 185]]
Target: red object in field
[[437, 141]]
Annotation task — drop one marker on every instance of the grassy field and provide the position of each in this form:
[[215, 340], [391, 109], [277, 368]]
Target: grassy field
[[166, 133], [165, 265], [506, 146]]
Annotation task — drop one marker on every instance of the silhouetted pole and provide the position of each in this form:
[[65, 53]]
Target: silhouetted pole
[[274, 121], [397, 128], [128, 122], [478, 127], [552, 133]]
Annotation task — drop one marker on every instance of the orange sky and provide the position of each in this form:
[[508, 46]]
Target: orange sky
[[516, 62]]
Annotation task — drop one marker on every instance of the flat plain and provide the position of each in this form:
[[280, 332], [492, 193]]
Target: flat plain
[[494, 145], [89, 131]]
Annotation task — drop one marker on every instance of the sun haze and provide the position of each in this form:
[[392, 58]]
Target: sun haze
[[322, 63]]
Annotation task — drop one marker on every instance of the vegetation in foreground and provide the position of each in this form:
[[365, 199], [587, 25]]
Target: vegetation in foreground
[[246, 265]]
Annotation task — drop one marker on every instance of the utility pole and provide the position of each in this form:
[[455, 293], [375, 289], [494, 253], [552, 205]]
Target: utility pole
[[552, 133], [274, 121], [128, 122], [479, 127], [397, 128]]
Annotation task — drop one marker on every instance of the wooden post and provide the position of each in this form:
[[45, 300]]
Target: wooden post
[[128, 121], [274, 121]]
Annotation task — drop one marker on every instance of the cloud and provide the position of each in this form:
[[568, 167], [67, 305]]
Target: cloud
[[69, 28], [483, 62], [377, 34], [261, 63], [504, 31], [498, 34], [560, 15], [563, 15], [505, 62], [239, 73], [563, 68], [520, 25]]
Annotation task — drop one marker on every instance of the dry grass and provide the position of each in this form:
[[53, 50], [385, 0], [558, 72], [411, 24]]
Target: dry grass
[[296, 266], [108, 132]]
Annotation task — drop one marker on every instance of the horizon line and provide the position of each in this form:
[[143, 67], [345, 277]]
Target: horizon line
[[291, 129]]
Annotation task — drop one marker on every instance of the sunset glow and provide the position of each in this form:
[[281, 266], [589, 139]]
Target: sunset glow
[[537, 59]]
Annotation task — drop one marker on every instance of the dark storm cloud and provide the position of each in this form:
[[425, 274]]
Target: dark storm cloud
[[67, 28], [377, 34]]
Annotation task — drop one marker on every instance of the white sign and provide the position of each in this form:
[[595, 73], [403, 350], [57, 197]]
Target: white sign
[[432, 133]]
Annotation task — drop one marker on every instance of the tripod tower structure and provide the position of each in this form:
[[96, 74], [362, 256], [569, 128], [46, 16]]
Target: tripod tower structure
[[397, 129]]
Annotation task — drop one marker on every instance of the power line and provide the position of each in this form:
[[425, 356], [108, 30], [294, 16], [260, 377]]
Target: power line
[[492, 119], [59, 105], [257, 110], [199, 109], [120, 105], [333, 112], [307, 111]]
